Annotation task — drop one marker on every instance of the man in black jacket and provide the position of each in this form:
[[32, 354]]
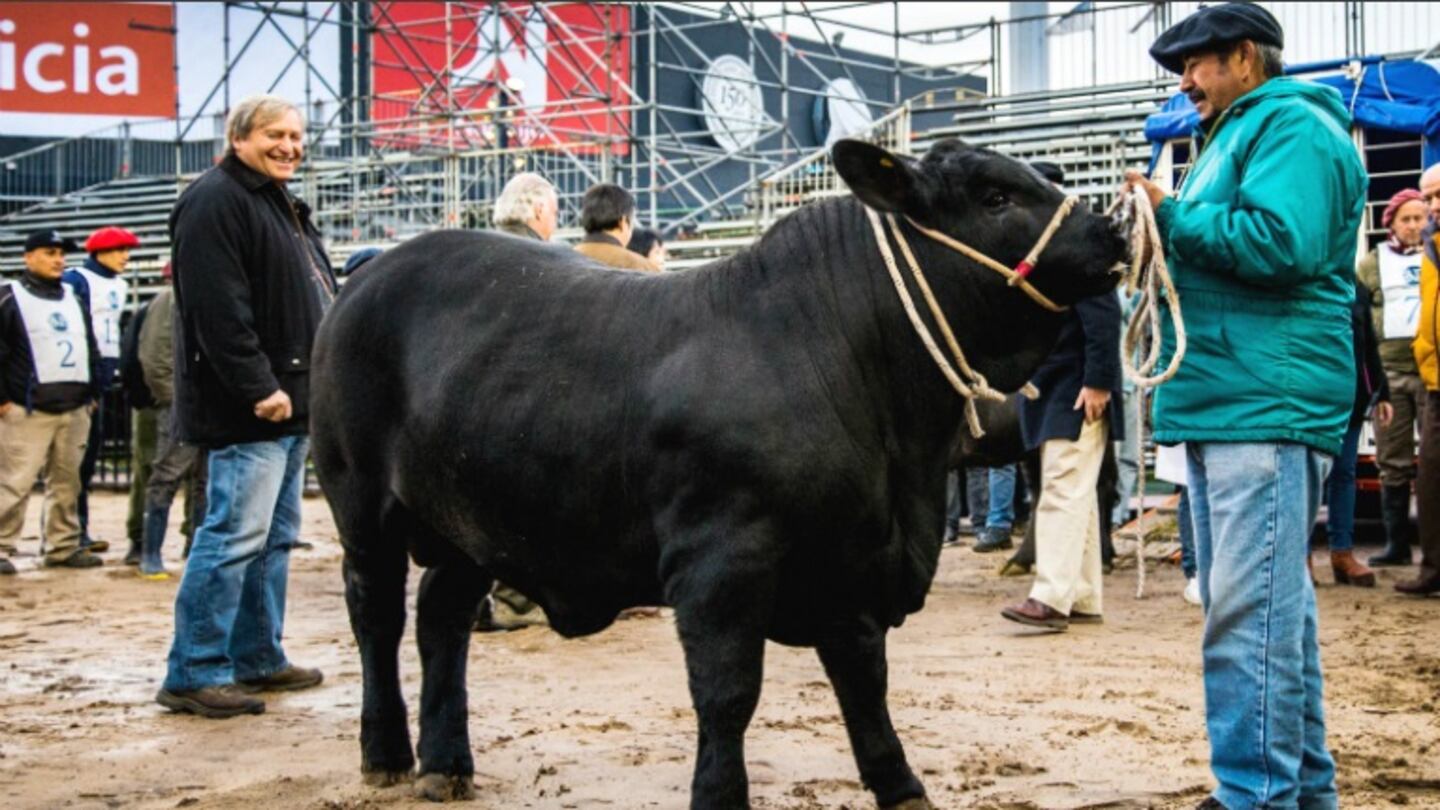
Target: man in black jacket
[[49, 367], [252, 281]]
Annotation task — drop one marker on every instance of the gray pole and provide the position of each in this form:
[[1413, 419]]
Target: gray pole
[[226, 38], [895, 17], [654, 123], [784, 78], [175, 72], [1029, 55]]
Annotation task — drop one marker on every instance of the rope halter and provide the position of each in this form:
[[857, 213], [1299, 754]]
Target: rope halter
[[1018, 275], [966, 381]]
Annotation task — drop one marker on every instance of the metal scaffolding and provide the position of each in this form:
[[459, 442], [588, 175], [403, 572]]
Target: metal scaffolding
[[436, 105]]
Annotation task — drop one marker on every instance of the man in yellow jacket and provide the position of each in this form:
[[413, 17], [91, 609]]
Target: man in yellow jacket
[[1427, 344]]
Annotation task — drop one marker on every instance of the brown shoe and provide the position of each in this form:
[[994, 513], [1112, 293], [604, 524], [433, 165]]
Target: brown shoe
[[289, 679], [1421, 586], [1350, 571], [1037, 614], [215, 702], [1076, 617], [6, 567], [80, 559]]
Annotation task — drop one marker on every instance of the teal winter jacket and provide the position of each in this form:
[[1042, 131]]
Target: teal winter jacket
[[1262, 243]]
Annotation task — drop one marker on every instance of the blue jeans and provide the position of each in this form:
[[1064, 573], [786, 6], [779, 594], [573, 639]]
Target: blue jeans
[[230, 611], [1187, 534], [1340, 493], [1253, 506], [1128, 474], [1002, 498]]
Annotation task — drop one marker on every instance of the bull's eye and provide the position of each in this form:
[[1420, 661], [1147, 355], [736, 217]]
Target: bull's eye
[[996, 199]]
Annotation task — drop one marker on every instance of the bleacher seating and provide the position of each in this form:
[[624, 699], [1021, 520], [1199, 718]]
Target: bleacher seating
[[1093, 134], [141, 204]]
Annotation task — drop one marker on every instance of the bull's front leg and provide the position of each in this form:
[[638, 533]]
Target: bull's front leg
[[858, 671], [723, 594]]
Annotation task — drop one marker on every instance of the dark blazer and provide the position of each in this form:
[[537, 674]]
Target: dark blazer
[[1371, 385], [1087, 353], [251, 283]]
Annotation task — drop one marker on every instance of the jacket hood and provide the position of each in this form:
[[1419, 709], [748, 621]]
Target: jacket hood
[[1322, 97]]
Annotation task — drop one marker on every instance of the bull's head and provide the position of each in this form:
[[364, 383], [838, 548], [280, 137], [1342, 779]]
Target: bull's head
[[992, 203]]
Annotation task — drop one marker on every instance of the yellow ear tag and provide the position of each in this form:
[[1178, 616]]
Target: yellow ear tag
[[887, 163]]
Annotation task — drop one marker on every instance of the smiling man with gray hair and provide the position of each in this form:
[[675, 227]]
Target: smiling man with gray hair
[[252, 281]]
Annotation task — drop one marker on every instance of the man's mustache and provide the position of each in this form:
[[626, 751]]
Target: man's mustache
[[1196, 96]]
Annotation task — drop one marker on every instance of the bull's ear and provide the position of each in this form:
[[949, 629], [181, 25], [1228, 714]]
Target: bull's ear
[[879, 179]]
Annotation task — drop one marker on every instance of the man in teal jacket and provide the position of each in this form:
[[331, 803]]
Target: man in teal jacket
[[1261, 241]]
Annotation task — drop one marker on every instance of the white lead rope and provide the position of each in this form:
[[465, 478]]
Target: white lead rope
[[973, 385], [966, 381], [1144, 333]]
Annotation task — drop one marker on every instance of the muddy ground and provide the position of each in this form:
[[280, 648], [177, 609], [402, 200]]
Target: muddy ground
[[992, 716]]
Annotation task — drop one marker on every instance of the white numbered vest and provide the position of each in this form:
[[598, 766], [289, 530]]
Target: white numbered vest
[[107, 301], [1400, 288], [57, 335]]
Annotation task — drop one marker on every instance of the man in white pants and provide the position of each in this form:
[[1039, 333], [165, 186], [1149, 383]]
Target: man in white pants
[[1071, 421]]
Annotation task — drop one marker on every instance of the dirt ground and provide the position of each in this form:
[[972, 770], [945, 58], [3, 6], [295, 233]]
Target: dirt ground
[[992, 716]]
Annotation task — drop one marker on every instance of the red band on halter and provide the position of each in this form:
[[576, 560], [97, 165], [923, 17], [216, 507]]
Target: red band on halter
[[1023, 269]]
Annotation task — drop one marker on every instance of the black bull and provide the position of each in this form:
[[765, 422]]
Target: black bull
[[760, 444]]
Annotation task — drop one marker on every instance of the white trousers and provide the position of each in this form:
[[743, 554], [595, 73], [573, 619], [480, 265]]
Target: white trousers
[[1067, 522]]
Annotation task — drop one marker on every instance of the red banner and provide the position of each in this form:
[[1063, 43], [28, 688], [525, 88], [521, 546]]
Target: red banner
[[87, 59], [564, 64]]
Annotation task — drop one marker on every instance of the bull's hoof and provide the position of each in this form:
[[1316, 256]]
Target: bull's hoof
[[385, 779], [444, 787], [917, 803]]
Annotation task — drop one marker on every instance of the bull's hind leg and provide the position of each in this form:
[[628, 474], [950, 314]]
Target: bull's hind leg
[[722, 607], [445, 610], [375, 593], [857, 669]]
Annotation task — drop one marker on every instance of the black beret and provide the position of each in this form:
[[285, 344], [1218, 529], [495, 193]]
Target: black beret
[[1213, 26], [1049, 171], [49, 238]]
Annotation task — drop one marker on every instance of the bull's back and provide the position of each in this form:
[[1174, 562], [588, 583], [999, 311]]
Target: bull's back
[[495, 385]]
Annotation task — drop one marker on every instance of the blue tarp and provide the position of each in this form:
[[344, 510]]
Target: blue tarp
[[1398, 96]]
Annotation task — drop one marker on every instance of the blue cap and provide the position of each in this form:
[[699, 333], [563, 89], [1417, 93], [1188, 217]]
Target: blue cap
[[359, 258]]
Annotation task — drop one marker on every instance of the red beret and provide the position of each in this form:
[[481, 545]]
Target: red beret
[[110, 238]]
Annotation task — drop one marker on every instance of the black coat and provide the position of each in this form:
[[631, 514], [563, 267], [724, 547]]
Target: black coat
[[17, 365], [1371, 385], [1087, 353], [249, 301]]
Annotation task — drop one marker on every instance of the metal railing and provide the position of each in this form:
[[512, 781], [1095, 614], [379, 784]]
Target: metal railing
[[1108, 43], [388, 196], [813, 177], [60, 167]]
